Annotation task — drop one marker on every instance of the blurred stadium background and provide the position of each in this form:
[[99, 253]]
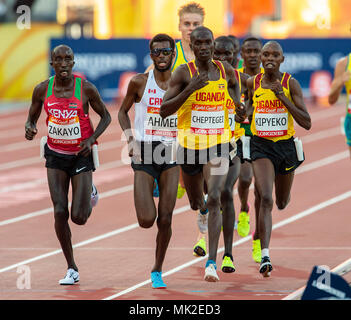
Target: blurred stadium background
[[110, 38]]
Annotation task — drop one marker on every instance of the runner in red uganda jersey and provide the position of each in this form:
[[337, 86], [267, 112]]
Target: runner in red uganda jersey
[[70, 137]]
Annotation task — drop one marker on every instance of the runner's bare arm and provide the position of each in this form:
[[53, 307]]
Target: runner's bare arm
[[297, 108], [180, 88], [340, 77], [234, 92], [35, 108], [132, 96], [249, 102], [99, 107]]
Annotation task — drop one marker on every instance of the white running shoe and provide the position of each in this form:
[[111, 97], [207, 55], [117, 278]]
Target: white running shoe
[[94, 196], [202, 220], [211, 273], [72, 276]]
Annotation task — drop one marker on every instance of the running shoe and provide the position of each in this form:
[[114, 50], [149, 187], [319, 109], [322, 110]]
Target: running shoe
[[94, 196], [202, 220], [244, 223], [200, 248], [227, 264], [156, 279], [156, 192], [210, 271], [180, 191], [72, 276], [266, 267], [256, 250]]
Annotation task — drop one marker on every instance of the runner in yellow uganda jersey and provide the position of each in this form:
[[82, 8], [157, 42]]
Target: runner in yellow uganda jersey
[[342, 77], [198, 92], [277, 100], [224, 50]]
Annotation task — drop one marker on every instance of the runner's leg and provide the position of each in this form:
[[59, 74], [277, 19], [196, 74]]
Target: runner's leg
[[58, 182], [168, 187]]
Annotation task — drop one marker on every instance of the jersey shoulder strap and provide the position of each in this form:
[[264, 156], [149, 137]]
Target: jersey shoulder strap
[[50, 87], [257, 81], [78, 88]]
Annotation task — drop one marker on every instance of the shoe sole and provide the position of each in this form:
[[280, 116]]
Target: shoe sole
[[199, 251], [210, 278], [266, 270], [69, 284], [162, 287], [228, 269]]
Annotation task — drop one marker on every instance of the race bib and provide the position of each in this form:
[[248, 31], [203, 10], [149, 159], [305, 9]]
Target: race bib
[[64, 131], [271, 124], [231, 116], [207, 119], [157, 126]]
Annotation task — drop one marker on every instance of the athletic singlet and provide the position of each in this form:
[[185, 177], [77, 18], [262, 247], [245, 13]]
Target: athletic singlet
[[67, 123], [237, 132], [203, 118], [246, 121], [148, 124], [180, 56], [271, 119], [348, 87]]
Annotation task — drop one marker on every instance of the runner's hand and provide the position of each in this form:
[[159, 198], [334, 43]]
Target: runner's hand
[[134, 151], [30, 132], [85, 147], [199, 81], [240, 113], [276, 87]]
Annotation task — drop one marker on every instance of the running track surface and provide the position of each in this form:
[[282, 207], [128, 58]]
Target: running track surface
[[115, 256]]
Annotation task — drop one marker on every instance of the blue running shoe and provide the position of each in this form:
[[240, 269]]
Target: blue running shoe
[[156, 193], [156, 279]]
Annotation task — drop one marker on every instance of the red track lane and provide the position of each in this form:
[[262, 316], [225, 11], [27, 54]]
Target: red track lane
[[124, 258]]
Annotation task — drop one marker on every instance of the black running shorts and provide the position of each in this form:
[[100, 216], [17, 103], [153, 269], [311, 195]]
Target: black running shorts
[[192, 161], [155, 158], [281, 153], [71, 164]]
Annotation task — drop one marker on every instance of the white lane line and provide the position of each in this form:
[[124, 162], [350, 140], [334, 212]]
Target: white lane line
[[295, 217], [37, 213], [113, 164], [35, 143], [37, 182], [29, 161], [86, 242]]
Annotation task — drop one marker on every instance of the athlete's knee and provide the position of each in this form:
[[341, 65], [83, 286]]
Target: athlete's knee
[[80, 216], [282, 203], [267, 200], [195, 204], [79, 219], [61, 214], [164, 221], [213, 201], [244, 182], [226, 195], [146, 222]]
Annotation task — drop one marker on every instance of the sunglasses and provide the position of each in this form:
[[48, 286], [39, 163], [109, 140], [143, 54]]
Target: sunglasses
[[165, 51]]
